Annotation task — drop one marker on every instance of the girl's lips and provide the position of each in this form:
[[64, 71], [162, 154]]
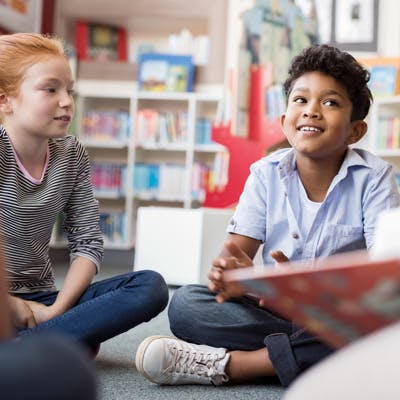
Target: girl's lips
[[64, 118]]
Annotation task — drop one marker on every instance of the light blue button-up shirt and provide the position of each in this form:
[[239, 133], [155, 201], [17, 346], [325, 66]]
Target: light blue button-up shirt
[[270, 208]]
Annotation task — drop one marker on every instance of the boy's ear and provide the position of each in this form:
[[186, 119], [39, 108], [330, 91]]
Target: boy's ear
[[359, 129], [283, 116], [5, 105]]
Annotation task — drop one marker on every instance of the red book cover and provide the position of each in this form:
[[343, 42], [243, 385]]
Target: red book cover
[[340, 298]]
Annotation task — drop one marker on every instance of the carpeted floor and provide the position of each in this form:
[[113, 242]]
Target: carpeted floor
[[118, 378]]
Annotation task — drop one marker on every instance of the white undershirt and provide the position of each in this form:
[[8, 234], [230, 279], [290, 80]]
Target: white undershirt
[[310, 209]]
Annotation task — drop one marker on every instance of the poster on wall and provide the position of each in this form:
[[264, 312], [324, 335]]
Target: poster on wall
[[21, 15]]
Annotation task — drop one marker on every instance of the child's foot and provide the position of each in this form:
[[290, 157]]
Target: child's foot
[[169, 361]]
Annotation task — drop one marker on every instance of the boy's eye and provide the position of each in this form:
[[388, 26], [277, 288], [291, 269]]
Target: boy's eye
[[331, 103], [299, 100], [71, 92], [50, 90]]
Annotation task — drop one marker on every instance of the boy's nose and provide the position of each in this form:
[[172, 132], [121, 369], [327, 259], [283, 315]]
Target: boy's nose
[[311, 114]]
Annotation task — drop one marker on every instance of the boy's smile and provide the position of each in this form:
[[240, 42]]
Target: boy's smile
[[317, 122]]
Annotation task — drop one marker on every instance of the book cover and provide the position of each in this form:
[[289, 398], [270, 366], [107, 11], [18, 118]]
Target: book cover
[[100, 42], [165, 72], [383, 80], [340, 298]]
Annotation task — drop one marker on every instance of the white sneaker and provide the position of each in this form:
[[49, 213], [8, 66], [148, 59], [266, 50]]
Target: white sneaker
[[169, 361]]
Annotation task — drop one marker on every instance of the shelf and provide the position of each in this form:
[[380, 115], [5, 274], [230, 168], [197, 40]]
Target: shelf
[[390, 100], [388, 153], [114, 144]]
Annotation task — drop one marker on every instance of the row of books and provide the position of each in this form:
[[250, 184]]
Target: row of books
[[109, 179], [105, 125], [161, 127], [167, 181], [389, 132], [164, 180], [113, 226]]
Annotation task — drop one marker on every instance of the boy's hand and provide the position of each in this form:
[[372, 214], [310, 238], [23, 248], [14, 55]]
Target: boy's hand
[[278, 256], [21, 313], [235, 258]]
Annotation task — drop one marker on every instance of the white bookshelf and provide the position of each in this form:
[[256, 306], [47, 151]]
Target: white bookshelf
[[105, 95]]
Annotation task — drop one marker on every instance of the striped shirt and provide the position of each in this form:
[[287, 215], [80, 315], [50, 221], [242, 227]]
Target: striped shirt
[[29, 209]]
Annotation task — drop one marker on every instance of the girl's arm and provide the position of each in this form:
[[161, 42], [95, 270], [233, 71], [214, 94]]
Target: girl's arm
[[77, 280], [6, 328]]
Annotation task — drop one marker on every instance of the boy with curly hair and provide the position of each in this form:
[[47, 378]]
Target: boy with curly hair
[[318, 198]]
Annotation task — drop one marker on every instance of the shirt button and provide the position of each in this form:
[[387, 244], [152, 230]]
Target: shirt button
[[232, 222], [295, 235], [285, 194]]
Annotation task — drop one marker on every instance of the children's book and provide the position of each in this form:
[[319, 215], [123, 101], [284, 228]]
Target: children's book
[[340, 298]]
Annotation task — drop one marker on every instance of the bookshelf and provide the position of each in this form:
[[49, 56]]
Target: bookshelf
[[384, 130], [133, 166]]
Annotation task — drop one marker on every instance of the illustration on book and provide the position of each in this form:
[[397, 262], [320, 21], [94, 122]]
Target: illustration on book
[[339, 299]]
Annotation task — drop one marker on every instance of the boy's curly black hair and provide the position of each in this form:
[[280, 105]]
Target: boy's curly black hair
[[342, 66]]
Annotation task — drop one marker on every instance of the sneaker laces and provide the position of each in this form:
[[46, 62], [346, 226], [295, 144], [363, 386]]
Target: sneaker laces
[[206, 364]]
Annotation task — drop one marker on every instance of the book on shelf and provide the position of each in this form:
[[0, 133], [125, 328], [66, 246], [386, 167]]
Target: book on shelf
[[340, 298], [100, 42], [165, 72], [385, 77], [383, 80]]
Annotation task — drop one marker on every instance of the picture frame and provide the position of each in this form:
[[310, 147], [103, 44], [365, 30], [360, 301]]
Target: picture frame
[[355, 24], [165, 72], [100, 42], [21, 16]]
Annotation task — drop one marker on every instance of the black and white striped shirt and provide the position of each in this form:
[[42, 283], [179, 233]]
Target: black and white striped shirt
[[28, 211]]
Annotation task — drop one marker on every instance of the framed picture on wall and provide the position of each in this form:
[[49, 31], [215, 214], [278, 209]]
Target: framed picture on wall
[[355, 24], [21, 15]]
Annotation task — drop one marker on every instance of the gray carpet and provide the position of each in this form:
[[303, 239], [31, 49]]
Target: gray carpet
[[119, 380]]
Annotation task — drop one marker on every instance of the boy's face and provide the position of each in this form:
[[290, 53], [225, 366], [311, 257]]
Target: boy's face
[[44, 105], [317, 120]]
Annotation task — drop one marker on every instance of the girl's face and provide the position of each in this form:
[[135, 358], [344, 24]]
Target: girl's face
[[318, 122], [44, 105]]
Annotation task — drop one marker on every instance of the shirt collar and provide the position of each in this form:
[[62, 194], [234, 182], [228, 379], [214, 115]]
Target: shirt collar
[[286, 160]]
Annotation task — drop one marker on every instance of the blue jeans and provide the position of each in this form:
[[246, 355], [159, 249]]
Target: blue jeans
[[240, 324], [45, 367], [106, 309]]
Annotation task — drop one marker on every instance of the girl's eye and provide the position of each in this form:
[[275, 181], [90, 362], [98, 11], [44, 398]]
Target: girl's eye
[[50, 90], [71, 92]]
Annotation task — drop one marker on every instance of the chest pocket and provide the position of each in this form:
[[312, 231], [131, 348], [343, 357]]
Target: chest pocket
[[340, 238]]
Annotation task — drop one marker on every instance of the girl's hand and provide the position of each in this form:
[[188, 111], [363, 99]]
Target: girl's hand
[[21, 313], [41, 312]]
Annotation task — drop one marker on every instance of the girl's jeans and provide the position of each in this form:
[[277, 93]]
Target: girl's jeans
[[240, 324], [107, 308]]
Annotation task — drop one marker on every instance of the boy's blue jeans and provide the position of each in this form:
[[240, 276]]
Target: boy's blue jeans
[[240, 324], [107, 308]]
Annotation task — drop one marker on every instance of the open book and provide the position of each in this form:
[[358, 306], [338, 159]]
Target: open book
[[339, 298]]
